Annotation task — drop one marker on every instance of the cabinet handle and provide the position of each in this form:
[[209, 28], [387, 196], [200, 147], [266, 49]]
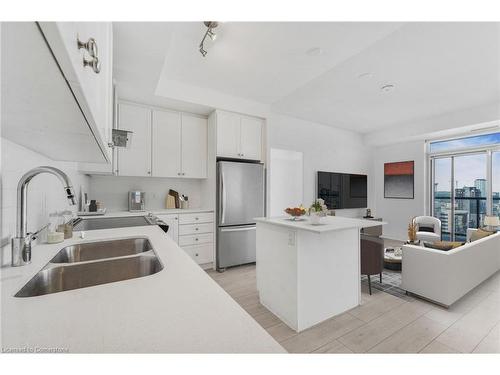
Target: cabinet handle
[[196, 239], [90, 46], [149, 172], [196, 218], [196, 228], [94, 64], [196, 254]]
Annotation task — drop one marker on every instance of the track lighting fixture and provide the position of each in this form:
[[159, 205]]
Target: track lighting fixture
[[211, 25]]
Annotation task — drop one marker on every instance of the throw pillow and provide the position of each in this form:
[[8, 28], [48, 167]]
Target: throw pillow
[[443, 245], [426, 228], [480, 233]]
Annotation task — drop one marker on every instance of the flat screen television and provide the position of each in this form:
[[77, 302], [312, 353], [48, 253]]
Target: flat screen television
[[342, 190]]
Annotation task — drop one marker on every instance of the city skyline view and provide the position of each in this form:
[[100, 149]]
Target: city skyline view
[[471, 190], [468, 169]]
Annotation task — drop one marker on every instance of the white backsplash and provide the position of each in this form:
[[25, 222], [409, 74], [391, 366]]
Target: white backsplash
[[112, 191], [45, 192]]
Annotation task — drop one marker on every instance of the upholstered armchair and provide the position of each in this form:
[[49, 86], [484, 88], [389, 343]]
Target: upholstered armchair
[[428, 228]]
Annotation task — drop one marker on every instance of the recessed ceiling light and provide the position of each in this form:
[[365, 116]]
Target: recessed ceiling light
[[387, 88], [365, 75], [316, 51]]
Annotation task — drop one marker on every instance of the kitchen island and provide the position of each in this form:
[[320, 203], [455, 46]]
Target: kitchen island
[[179, 309], [308, 273]]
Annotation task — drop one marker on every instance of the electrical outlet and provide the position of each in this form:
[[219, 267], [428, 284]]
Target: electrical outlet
[[291, 238]]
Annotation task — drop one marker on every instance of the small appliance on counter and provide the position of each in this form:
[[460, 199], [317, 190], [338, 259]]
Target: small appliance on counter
[[184, 200], [136, 201]]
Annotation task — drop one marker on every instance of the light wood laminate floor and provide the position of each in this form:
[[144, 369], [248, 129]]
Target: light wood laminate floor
[[383, 323]]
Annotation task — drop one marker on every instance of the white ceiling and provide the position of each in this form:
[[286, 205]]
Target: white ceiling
[[436, 67]]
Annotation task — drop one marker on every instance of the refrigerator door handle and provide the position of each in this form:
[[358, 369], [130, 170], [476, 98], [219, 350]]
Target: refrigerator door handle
[[238, 229], [222, 199]]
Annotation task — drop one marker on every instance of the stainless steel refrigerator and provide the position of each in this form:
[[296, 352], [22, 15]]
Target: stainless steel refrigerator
[[240, 199]]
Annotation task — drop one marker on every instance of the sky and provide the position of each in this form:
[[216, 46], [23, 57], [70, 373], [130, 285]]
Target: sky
[[478, 140]]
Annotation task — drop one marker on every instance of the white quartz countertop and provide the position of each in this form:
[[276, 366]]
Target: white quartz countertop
[[328, 223], [177, 310]]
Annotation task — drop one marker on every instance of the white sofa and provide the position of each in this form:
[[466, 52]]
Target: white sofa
[[446, 276]]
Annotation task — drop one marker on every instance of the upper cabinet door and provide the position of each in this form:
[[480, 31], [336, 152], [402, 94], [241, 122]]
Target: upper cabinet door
[[228, 134], [251, 138], [136, 159], [87, 69], [166, 144], [39, 110], [194, 146]]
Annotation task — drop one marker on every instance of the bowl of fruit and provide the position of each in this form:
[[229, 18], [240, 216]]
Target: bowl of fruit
[[295, 212]]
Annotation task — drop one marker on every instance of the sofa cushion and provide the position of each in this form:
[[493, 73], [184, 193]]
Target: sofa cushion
[[443, 245], [480, 233], [426, 228]]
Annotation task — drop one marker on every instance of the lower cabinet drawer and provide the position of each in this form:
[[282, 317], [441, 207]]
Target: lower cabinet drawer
[[200, 253], [202, 217], [196, 228], [196, 239]]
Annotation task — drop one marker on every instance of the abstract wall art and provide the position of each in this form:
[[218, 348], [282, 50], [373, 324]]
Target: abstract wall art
[[399, 180]]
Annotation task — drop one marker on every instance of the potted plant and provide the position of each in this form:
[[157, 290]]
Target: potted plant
[[317, 210]]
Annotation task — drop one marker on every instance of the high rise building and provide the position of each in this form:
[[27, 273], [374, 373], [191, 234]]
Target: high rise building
[[480, 184]]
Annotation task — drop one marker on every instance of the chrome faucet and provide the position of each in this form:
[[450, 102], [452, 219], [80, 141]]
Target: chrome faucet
[[21, 244]]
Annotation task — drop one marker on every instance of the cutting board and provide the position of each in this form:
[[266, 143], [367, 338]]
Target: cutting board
[[170, 202]]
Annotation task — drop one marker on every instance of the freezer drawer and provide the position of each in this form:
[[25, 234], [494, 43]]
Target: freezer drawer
[[235, 245]]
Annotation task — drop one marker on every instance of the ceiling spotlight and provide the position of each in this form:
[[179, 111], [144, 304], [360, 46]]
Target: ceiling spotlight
[[211, 34], [211, 25]]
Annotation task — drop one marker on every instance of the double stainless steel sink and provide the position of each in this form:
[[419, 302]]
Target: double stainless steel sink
[[94, 263]]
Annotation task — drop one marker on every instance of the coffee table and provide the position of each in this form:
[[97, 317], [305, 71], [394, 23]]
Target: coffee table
[[392, 259]]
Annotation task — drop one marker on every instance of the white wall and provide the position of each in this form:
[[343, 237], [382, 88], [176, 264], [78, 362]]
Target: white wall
[[286, 183], [398, 212], [45, 193], [113, 191], [325, 149]]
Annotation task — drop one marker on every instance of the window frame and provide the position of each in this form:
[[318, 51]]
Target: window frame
[[431, 156]]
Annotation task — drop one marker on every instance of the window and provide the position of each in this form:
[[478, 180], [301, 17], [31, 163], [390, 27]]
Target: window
[[465, 183], [466, 142], [495, 164]]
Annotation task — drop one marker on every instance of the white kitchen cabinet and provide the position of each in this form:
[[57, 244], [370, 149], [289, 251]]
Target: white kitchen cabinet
[[193, 147], [238, 136], [201, 254], [166, 144], [173, 225], [88, 71], [228, 134], [251, 138], [196, 236], [42, 109], [136, 159], [179, 145]]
